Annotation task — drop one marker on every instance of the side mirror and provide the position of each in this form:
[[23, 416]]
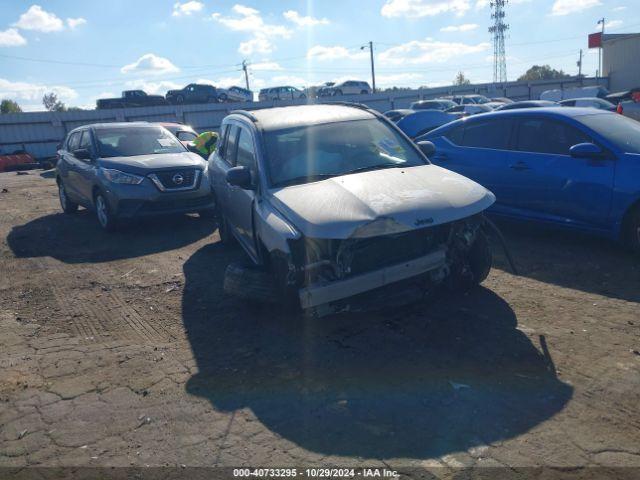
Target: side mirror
[[586, 150], [82, 154], [427, 148], [240, 177]]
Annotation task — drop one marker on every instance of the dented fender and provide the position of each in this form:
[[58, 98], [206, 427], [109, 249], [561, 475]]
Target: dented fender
[[273, 229]]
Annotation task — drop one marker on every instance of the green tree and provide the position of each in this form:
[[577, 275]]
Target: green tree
[[9, 106], [542, 72], [51, 102], [461, 79]]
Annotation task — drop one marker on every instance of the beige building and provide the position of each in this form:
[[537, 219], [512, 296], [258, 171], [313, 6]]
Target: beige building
[[621, 60]]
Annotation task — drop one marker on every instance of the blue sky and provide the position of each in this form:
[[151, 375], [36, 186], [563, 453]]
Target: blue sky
[[87, 49]]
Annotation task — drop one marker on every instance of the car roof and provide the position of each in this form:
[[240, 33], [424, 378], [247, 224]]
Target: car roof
[[279, 118], [115, 124]]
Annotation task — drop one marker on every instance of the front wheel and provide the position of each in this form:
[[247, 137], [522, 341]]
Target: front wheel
[[338, 92], [67, 205], [106, 219], [223, 98], [475, 265]]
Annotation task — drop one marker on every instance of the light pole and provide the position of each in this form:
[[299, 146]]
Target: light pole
[[601, 21], [246, 75], [373, 71]]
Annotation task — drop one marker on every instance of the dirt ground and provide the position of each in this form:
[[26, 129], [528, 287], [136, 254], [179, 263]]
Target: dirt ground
[[122, 350]]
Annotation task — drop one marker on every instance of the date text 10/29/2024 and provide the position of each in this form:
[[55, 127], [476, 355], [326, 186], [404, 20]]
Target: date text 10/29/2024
[[315, 473]]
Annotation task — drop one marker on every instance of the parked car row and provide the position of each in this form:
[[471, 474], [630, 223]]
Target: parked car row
[[300, 189]]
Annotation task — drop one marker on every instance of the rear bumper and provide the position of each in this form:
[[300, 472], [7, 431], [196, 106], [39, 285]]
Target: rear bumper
[[320, 294]]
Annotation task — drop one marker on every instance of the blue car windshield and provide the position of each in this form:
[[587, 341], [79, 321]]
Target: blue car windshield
[[622, 131], [307, 154], [133, 141]]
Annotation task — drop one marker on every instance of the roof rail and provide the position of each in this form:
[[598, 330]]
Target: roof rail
[[244, 113]]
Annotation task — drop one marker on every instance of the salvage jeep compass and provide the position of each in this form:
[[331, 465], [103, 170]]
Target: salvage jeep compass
[[127, 170], [342, 208]]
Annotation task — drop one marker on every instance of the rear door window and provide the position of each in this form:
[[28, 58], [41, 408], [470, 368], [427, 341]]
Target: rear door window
[[488, 134], [246, 156], [231, 145], [540, 135]]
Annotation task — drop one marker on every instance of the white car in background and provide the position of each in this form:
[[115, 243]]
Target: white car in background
[[235, 94], [471, 109], [599, 103], [281, 93], [351, 87]]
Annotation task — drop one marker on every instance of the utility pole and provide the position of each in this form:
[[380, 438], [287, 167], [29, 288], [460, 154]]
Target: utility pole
[[601, 21], [580, 64], [246, 74], [373, 70]]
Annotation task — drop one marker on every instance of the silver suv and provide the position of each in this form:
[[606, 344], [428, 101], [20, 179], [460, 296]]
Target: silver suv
[[127, 170], [351, 87], [281, 93], [335, 201]]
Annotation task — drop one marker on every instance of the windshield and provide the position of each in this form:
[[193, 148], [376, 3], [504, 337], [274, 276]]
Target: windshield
[[306, 154], [133, 141], [622, 131]]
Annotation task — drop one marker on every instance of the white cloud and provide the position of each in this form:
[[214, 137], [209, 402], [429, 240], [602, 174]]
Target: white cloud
[[465, 27], [610, 24], [248, 20], [11, 38], [150, 64], [266, 66], [34, 91], [40, 20], [75, 22], [565, 7], [334, 53], [429, 51], [423, 8], [187, 8], [304, 21], [480, 4], [619, 9], [151, 87]]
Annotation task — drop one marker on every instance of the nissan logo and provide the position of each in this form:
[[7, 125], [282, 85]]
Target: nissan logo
[[178, 179]]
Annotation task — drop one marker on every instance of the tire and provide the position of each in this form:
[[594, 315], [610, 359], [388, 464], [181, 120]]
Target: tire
[[105, 216], [226, 237], [67, 205], [249, 283], [632, 230], [180, 99], [338, 92], [223, 98], [303, 96], [364, 92], [477, 266]]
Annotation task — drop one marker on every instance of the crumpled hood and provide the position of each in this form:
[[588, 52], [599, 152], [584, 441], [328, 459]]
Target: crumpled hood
[[381, 202], [143, 164]]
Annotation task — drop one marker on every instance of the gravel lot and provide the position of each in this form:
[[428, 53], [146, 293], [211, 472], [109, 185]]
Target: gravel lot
[[121, 349]]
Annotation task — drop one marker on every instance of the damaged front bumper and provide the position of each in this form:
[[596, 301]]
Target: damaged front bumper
[[327, 292]]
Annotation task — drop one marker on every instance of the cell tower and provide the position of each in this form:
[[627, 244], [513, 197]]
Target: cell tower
[[498, 29]]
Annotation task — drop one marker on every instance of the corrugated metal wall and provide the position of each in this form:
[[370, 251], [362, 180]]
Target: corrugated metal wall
[[621, 62], [40, 132]]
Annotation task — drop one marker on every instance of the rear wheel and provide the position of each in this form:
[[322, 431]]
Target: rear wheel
[[67, 205], [223, 98], [364, 92], [106, 219], [632, 230], [179, 99], [338, 92]]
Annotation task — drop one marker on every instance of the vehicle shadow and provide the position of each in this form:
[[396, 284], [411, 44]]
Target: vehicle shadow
[[571, 260], [416, 383], [79, 239]]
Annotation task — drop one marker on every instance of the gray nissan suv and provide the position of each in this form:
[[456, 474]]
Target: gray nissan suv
[[127, 170]]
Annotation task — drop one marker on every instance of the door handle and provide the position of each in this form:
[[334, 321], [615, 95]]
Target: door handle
[[520, 166]]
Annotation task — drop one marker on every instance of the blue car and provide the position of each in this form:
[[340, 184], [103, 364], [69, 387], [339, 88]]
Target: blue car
[[575, 167]]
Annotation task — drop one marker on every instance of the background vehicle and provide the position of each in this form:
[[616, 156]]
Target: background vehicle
[[194, 93], [235, 94], [350, 87], [526, 104], [281, 93], [573, 167], [324, 90], [628, 102], [441, 104], [131, 98], [184, 133], [279, 174], [423, 121], [470, 109], [598, 103], [581, 92], [397, 115], [468, 99], [127, 170], [501, 100]]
